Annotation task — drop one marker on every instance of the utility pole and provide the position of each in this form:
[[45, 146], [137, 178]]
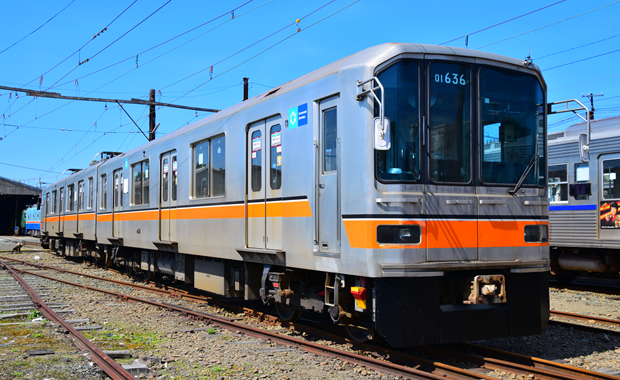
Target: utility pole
[[591, 96], [245, 89], [152, 127]]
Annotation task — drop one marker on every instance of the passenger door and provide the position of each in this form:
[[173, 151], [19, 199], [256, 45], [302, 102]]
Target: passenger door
[[609, 196], [80, 207], [256, 205], [117, 203], [273, 184], [61, 210], [328, 215], [168, 196]]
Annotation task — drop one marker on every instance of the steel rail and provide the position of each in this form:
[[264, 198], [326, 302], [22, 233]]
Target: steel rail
[[540, 363], [176, 293], [585, 318], [494, 359], [229, 324], [603, 289], [107, 364]]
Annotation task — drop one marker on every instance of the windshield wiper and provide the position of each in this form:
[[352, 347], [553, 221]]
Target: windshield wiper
[[529, 167]]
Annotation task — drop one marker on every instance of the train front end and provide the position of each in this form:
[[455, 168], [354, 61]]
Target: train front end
[[456, 221]]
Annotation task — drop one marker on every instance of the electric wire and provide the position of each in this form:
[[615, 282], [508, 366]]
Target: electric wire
[[34, 31], [581, 60], [171, 39], [24, 167], [247, 47], [503, 22], [112, 43], [577, 47], [269, 48], [546, 26]]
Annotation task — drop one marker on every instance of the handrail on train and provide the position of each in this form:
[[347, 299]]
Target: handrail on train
[[584, 140]]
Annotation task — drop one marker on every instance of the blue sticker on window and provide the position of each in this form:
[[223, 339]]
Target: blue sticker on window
[[298, 116]]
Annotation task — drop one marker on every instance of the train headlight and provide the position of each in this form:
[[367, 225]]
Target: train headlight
[[537, 233], [399, 234]]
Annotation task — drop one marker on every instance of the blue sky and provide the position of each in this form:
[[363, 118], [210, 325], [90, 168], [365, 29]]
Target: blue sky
[[575, 43]]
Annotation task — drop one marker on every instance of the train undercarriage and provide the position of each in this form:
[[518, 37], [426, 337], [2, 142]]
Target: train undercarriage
[[403, 311], [567, 263]]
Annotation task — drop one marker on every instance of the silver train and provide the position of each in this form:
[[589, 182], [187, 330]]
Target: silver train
[[401, 190], [584, 199]]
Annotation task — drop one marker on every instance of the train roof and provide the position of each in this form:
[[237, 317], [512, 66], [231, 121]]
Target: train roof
[[370, 57], [599, 129]]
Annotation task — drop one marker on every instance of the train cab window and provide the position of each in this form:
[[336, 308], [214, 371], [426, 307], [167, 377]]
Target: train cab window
[[512, 134], [54, 201], [257, 163], [81, 194], [141, 183], [91, 193], [103, 202], [275, 158], [450, 124], [558, 183], [402, 161], [611, 179]]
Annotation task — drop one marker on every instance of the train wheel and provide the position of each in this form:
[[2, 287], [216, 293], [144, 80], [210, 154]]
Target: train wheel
[[287, 313], [148, 275], [360, 334]]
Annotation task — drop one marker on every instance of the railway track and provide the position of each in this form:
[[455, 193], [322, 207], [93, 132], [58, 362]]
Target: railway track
[[399, 364], [586, 287]]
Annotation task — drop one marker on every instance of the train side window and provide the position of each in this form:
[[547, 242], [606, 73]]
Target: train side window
[[70, 196], [164, 181], [558, 183], [218, 166], [47, 204], [81, 194], [201, 170], [140, 183], [256, 161], [54, 201], [275, 158], [611, 179], [103, 203], [61, 202], [582, 175], [91, 193], [450, 124], [330, 152]]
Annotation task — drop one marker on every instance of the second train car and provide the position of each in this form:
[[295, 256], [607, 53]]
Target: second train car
[[401, 190]]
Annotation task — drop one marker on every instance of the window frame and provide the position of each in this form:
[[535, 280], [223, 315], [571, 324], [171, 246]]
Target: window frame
[[473, 119], [209, 167], [70, 207], [603, 179], [80, 195], [91, 193], [144, 200], [103, 199], [560, 183]]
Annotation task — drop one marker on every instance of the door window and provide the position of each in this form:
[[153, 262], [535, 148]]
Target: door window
[[330, 153], [611, 179], [164, 179], [256, 161], [80, 195], [275, 154]]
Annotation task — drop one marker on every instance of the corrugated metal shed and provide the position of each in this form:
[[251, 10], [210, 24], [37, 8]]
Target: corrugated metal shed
[[9, 187]]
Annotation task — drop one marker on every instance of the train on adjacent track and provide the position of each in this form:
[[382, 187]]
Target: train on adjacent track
[[401, 190], [584, 199]]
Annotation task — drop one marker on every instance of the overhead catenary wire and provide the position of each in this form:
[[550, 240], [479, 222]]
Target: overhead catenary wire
[[576, 47], [34, 31], [548, 25], [169, 40], [581, 60], [105, 84], [503, 22]]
